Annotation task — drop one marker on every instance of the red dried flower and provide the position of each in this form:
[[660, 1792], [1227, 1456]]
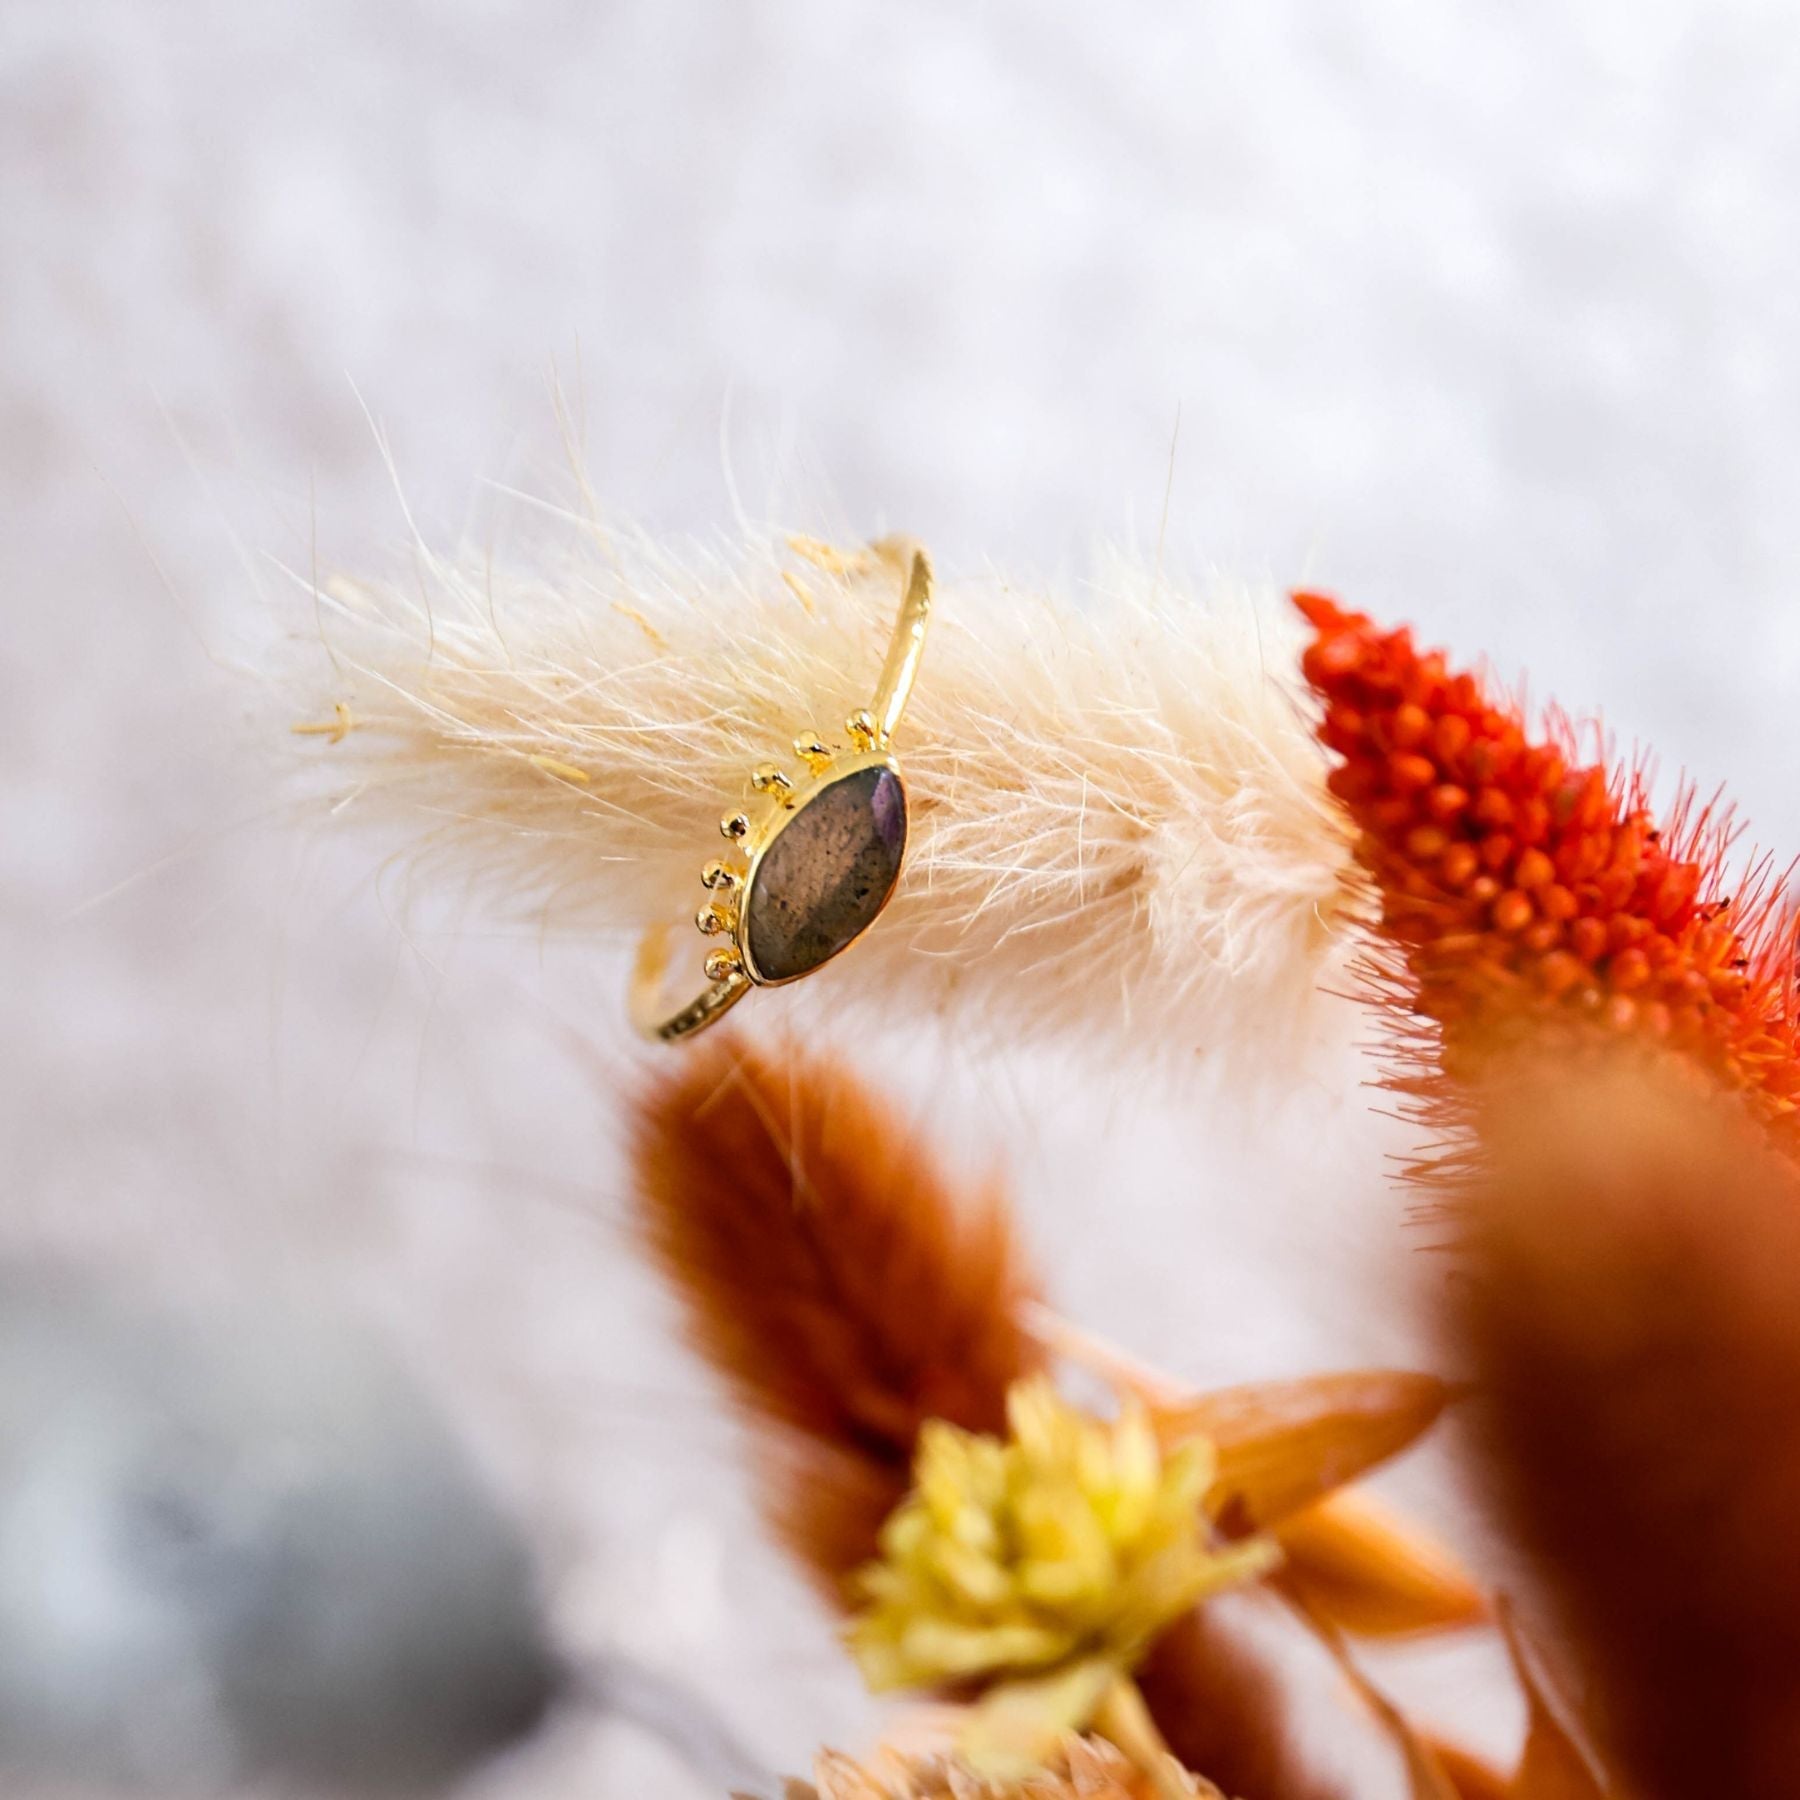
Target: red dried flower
[[1526, 894]]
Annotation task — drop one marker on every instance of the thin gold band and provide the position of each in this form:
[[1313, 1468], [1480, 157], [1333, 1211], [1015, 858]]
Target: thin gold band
[[870, 731], [907, 646], [647, 976]]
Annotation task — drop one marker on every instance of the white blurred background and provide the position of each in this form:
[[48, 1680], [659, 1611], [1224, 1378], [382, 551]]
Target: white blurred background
[[1487, 317]]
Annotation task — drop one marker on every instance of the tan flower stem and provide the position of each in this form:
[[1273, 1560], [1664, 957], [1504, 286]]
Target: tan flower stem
[[1124, 1719], [1088, 1350]]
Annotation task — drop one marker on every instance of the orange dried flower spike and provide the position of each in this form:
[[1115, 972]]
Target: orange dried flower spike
[[1525, 893]]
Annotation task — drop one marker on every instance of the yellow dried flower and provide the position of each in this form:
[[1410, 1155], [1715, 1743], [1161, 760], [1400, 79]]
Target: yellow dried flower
[[1044, 1564]]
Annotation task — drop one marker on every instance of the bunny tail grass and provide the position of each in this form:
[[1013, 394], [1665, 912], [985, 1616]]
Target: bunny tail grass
[[1118, 820], [831, 1277]]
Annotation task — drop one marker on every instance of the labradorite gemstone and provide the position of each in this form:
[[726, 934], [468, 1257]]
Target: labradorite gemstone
[[826, 875]]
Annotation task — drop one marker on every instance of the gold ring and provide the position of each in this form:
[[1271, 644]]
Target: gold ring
[[821, 861]]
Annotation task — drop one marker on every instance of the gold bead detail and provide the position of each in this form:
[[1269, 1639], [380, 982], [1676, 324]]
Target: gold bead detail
[[766, 778], [718, 875], [721, 964], [735, 826], [861, 727], [811, 750], [711, 920]]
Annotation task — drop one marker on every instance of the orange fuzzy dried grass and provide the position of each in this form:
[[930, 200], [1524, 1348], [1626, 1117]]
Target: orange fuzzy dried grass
[[831, 1276], [1634, 1318], [1527, 895]]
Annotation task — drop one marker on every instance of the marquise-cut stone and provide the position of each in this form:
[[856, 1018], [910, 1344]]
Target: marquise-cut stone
[[826, 875]]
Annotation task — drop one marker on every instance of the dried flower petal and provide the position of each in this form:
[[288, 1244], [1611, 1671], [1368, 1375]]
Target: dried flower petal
[[1426, 1777], [1281, 1445], [1553, 1766], [1371, 1575], [1081, 1768], [1469, 1776]]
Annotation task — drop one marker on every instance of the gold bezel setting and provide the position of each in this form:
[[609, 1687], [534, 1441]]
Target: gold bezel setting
[[733, 917]]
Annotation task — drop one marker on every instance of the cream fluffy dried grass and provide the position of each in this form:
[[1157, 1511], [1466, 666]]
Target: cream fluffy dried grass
[[1118, 817]]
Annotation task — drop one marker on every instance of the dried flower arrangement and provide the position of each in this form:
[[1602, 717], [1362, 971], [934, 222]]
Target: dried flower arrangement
[[984, 1538], [1602, 1037]]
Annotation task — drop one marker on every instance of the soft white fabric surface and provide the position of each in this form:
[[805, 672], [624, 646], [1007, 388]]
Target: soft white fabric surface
[[1484, 316]]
